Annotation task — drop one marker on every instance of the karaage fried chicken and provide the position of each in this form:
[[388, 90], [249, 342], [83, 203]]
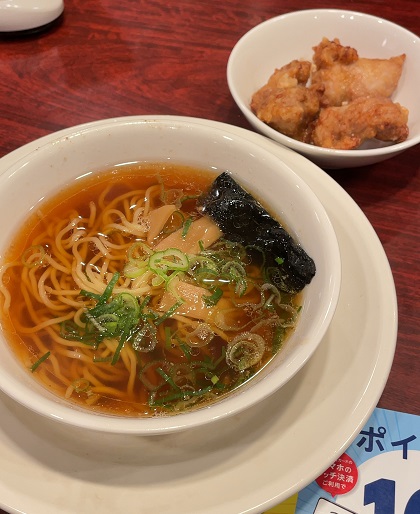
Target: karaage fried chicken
[[285, 103], [344, 77], [290, 75], [332, 52], [288, 110], [337, 101], [348, 126]]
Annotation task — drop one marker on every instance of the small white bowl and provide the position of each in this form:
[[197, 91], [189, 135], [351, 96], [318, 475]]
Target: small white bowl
[[279, 40], [60, 158]]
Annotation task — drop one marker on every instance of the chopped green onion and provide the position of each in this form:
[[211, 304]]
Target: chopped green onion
[[171, 286], [135, 269], [174, 223], [129, 303], [109, 288], [81, 385], [188, 197], [115, 318], [172, 196], [145, 339], [253, 248], [279, 260], [244, 351], [213, 273], [168, 313], [168, 337], [172, 259], [204, 366], [167, 378], [184, 347], [277, 339], [186, 228], [139, 252], [212, 300], [88, 294], [145, 381], [40, 361], [145, 302], [120, 346], [107, 322], [182, 395], [165, 262], [102, 299]]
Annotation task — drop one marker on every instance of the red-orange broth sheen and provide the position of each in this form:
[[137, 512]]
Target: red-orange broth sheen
[[173, 377]]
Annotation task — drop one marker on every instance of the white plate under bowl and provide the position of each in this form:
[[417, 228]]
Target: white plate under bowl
[[244, 464]]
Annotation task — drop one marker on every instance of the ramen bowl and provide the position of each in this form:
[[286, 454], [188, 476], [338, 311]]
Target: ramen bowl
[[277, 41], [65, 158]]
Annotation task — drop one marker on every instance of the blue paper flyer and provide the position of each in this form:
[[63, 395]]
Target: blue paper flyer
[[378, 474]]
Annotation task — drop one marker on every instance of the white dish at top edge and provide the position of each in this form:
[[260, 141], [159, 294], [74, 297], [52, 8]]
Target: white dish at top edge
[[17, 15]]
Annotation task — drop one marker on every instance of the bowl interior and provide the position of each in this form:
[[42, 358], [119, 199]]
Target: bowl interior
[[100, 145], [279, 40]]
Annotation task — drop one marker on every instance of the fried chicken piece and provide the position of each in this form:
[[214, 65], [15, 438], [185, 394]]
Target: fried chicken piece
[[290, 75], [332, 52], [288, 110], [285, 103], [344, 77], [348, 126]]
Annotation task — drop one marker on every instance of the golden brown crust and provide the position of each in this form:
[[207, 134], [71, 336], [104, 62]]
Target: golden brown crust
[[337, 101], [348, 126]]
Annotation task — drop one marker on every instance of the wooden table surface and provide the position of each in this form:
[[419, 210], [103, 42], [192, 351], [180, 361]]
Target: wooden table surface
[[107, 59]]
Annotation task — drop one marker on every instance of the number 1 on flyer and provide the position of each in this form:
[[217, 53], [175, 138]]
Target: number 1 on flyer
[[382, 493]]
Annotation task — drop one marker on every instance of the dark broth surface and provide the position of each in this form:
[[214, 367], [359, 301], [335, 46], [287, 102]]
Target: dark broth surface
[[106, 314]]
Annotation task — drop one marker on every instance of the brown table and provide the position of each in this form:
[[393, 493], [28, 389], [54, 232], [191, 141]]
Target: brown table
[[107, 59]]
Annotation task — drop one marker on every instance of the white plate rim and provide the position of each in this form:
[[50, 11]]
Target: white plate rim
[[240, 455]]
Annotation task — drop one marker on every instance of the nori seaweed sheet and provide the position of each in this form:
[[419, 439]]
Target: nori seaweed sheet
[[242, 219]]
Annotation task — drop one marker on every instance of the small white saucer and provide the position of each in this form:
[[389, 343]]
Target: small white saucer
[[23, 15]]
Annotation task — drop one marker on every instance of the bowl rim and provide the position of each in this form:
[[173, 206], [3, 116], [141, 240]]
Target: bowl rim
[[220, 410], [299, 146]]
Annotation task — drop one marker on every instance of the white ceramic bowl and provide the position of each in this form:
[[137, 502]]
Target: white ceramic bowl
[[61, 157], [279, 40]]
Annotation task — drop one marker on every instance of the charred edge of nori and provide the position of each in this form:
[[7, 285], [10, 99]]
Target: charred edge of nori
[[242, 219]]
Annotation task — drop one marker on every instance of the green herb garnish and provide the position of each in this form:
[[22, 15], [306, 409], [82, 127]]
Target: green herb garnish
[[40, 361], [186, 228], [212, 300]]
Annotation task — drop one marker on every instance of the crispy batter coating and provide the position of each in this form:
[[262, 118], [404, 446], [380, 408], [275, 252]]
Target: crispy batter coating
[[337, 101], [290, 75], [285, 103], [348, 126], [288, 110], [332, 52], [345, 77]]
